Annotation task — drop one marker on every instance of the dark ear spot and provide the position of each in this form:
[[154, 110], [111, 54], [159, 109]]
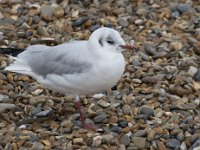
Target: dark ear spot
[[100, 42]]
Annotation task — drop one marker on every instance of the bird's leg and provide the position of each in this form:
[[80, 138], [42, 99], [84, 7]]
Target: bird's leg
[[78, 107], [82, 118]]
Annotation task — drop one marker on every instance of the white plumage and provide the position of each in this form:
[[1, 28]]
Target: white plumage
[[75, 68]]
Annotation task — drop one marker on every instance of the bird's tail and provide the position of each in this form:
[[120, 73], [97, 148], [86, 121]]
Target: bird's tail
[[19, 66]]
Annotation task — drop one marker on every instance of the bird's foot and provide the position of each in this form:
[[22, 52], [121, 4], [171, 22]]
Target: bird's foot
[[86, 126]]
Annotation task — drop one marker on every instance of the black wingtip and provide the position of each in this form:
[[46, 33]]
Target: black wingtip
[[11, 51]]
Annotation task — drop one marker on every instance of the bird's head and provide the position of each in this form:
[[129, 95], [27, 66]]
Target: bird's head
[[108, 39]]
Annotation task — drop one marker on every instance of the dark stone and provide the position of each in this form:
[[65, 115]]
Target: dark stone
[[80, 21]]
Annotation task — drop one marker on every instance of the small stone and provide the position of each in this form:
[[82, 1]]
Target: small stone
[[38, 146], [123, 22], [80, 21], [67, 124], [77, 140], [147, 111], [161, 146], [100, 118], [37, 92], [183, 146], [23, 78], [2, 124], [125, 139], [10, 77], [3, 97], [176, 45], [96, 141], [107, 137], [98, 96], [123, 123], [196, 85], [139, 133], [21, 34], [47, 12], [151, 135], [197, 75], [103, 103], [7, 106], [197, 148], [44, 113], [41, 31], [126, 109], [113, 119], [139, 142], [183, 7], [58, 12], [150, 48], [46, 143], [195, 144], [173, 143], [116, 129], [138, 21], [192, 71]]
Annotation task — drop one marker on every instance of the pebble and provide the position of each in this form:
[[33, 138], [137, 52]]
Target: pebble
[[80, 21], [41, 31], [107, 137], [173, 143], [150, 48], [126, 109], [192, 71], [139, 142], [125, 140], [67, 124], [47, 12], [77, 140], [161, 146], [176, 45], [197, 75], [97, 141], [3, 97], [184, 7], [123, 22], [45, 113], [103, 103], [59, 12], [116, 129], [147, 111], [6, 106], [151, 135], [123, 123], [38, 146], [100, 118], [183, 146], [139, 133], [195, 144], [98, 96]]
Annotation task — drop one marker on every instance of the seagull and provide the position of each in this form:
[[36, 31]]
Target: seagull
[[76, 68]]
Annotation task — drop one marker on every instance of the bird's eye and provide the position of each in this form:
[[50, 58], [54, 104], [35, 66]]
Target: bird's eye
[[110, 42]]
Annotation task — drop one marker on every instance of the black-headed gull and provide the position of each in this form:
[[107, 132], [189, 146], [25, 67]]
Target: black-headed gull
[[76, 68]]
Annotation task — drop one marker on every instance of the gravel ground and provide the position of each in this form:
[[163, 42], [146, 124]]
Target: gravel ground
[[156, 104]]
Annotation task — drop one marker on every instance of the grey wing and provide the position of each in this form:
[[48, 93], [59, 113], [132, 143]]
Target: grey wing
[[59, 62]]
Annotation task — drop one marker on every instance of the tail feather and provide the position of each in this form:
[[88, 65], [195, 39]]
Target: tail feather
[[19, 66]]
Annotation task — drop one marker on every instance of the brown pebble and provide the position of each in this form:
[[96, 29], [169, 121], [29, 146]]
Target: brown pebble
[[161, 146], [58, 12], [10, 77]]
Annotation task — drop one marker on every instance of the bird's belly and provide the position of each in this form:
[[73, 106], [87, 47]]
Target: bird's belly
[[98, 79]]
